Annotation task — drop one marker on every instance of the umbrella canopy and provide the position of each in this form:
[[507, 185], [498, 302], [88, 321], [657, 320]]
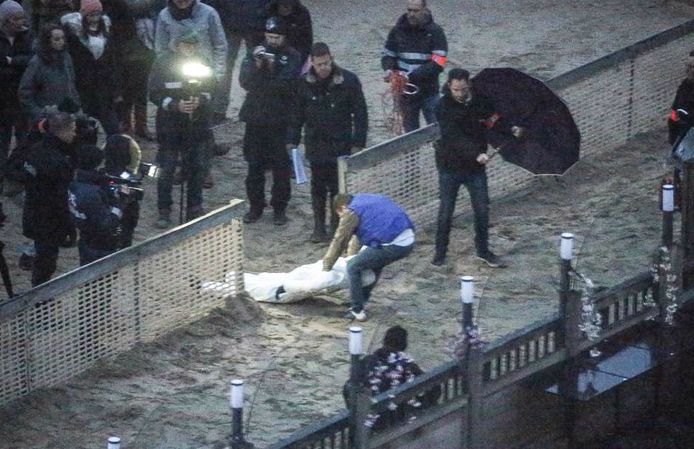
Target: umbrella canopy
[[550, 144]]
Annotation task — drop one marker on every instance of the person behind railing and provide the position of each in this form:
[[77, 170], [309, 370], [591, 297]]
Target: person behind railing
[[47, 174], [464, 117], [97, 219], [417, 48], [332, 110], [389, 367], [384, 229]]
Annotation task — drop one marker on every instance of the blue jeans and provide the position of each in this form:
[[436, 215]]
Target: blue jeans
[[374, 259], [411, 108], [476, 184]]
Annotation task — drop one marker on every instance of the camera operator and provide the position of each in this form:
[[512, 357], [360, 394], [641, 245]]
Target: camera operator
[[122, 160], [183, 122], [95, 215]]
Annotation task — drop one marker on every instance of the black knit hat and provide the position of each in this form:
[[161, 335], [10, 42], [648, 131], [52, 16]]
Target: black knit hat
[[276, 25], [395, 339]]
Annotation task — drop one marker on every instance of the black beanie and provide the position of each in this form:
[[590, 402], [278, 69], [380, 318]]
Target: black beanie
[[395, 339]]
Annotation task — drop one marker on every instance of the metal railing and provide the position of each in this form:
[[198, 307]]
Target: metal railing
[[60, 328]]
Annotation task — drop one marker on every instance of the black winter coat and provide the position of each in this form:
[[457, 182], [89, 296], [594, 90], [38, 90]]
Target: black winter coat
[[333, 113], [300, 27], [167, 85], [271, 89], [46, 217], [684, 99], [10, 74], [91, 212], [463, 133], [411, 49], [241, 16], [97, 80]]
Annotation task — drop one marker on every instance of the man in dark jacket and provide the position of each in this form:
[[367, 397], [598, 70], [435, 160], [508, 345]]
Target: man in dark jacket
[[184, 101], [379, 224], [15, 53], [464, 117], [269, 75], [46, 218], [684, 99], [417, 48], [331, 106], [299, 24], [96, 219]]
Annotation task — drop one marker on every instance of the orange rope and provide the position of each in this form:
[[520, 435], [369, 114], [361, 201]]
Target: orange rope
[[391, 102]]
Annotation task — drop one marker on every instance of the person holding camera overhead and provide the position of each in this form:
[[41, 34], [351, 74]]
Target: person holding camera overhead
[[269, 75], [181, 85], [96, 216]]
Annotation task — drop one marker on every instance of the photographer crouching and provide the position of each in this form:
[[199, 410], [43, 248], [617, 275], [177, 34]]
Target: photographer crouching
[[181, 84], [96, 216]]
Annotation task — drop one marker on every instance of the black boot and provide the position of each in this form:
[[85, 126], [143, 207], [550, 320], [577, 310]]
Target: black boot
[[319, 235]]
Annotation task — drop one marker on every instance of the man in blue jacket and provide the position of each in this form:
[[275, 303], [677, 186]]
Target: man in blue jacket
[[385, 231]]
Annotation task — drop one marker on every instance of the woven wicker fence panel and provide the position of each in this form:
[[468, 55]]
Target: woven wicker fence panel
[[70, 332], [171, 282], [656, 77], [600, 106], [13, 361], [409, 178]]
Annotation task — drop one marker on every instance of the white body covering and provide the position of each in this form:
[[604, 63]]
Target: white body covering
[[302, 282]]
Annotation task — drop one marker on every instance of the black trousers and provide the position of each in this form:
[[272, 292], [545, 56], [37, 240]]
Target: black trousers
[[264, 150], [45, 262], [324, 185]]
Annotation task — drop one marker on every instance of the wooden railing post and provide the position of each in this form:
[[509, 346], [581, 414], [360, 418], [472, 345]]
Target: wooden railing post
[[474, 363]]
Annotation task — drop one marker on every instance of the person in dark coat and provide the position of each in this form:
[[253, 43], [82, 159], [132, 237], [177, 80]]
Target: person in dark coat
[[243, 22], [94, 215], [44, 12], [15, 53], [122, 157], [461, 156], [332, 109], [183, 122], [50, 76], [46, 218], [684, 99], [299, 24], [417, 48], [94, 54], [269, 75], [136, 61]]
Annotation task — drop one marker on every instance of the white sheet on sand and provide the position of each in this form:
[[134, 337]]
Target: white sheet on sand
[[302, 282]]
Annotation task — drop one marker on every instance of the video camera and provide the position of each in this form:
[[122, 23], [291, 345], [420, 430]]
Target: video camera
[[128, 186]]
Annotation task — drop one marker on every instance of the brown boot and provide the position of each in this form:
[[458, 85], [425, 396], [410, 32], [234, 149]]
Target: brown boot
[[141, 122]]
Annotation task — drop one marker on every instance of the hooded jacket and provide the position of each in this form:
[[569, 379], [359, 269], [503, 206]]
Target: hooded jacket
[[91, 212], [48, 79], [271, 90], [333, 114], [299, 26], [205, 21], [97, 75], [420, 51]]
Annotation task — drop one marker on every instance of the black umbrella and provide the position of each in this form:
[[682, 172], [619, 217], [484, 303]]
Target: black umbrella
[[550, 143]]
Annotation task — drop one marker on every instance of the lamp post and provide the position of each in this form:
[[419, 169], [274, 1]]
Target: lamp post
[[668, 201], [236, 402], [466, 295]]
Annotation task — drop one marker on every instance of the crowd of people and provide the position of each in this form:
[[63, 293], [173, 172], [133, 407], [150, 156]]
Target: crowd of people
[[105, 60]]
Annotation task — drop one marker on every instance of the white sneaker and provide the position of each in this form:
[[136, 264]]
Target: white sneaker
[[356, 316]]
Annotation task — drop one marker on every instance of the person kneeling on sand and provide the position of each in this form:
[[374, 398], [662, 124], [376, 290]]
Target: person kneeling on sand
[[384, 229]]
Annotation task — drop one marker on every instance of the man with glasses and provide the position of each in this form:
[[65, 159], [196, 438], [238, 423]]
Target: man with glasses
[[416, 48]]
